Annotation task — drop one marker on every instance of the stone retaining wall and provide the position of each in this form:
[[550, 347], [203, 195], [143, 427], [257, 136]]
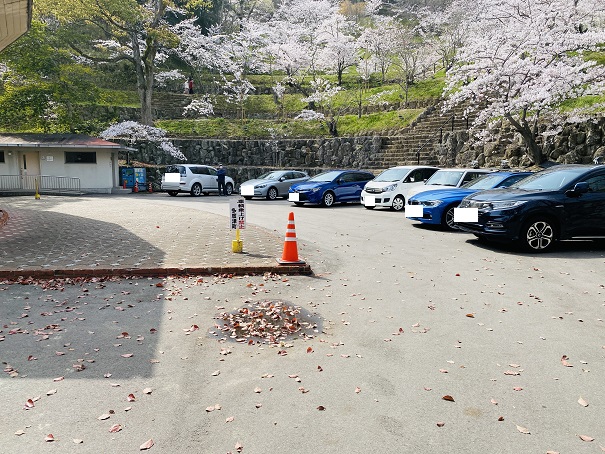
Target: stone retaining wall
[[247, 159], [579, 143]]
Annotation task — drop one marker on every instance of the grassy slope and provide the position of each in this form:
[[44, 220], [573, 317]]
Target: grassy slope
[[348, 125]]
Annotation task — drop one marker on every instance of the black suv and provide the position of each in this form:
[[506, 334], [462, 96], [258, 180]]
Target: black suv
[[562, 202]]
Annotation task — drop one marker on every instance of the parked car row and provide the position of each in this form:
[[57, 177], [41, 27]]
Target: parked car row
[[438, 205], [534, 209]]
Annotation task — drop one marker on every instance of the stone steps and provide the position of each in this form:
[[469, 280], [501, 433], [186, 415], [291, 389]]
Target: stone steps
[[416, 142]]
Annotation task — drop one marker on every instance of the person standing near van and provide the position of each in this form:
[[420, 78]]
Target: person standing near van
[[220, 173]]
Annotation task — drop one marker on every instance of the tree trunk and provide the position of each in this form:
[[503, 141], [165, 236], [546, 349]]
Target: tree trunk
[[144, 81], [332, 126], [529, 138]]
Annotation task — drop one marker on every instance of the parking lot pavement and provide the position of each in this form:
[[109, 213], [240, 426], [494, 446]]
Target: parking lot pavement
[[111, 234], [400, 317]]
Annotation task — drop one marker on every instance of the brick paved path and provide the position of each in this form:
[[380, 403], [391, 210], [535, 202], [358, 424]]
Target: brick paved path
[[117, 232]]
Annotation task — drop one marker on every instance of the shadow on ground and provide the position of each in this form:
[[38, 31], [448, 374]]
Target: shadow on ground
[[42, 239]]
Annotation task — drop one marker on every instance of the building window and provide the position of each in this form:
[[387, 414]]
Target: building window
[[2, 157], [80, 157]]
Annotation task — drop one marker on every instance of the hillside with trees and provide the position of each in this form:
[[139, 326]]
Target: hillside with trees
[[303, 68]]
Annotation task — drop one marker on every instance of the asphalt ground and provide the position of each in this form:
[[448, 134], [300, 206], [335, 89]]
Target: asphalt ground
[[401, 317]]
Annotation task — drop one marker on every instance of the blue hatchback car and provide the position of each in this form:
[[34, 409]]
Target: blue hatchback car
[[438, 205], [330, 187]]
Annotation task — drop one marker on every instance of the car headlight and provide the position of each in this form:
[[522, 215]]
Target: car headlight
[[260, 186], [315, 189], [500, 205], [389, 188], [431, 203]]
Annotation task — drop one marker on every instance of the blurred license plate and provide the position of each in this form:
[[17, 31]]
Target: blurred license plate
[[293, 197], [369, 201], [172, 178], [247, 190], [414, 211], [466, 215]]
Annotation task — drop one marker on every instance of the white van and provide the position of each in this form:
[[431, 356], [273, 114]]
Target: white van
[[388, 189], [195, 179]]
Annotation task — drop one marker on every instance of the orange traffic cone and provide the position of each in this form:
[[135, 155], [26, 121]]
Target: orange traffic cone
[[290, 254]]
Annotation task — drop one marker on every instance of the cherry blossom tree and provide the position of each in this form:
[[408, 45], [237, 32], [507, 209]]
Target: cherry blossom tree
[[376, 42], [293, 42], [446, 30], [323, 97], [522, 58], [338, 45], [134, 131], [412, 55], [237, 91], [199, 107]]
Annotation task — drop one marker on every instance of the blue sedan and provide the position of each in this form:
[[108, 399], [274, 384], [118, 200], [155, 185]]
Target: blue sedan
[[438, 205], [330, 187]]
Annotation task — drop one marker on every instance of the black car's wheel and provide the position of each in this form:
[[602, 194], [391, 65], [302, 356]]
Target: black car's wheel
[[196, 190], [299, 204], [272, 193], [538, 235], [229, 188], [447, 220], [173, 193], [248, 197], [328, 199], [398, 203]]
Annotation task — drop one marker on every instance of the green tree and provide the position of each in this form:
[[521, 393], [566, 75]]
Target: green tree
[[138, 31], [42, 85]]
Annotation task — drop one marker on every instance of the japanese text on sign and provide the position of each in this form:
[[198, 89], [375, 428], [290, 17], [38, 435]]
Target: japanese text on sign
[[237, 214]]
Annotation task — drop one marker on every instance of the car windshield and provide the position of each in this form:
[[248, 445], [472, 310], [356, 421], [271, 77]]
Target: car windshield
[[445, 177], [549, 180], [485, 182], [271, 176], [392, 175], [176, 169], [326, 176]]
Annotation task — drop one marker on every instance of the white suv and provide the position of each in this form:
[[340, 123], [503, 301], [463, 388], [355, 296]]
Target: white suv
[[388, 189], [196, 179]]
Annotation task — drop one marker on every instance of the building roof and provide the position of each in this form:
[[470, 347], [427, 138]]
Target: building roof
[[56, 141], [15, 18]]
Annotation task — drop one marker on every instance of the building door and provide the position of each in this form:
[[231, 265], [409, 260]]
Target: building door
[[30, 169]]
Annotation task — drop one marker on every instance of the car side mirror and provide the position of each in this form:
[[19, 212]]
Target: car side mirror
[[340, 181], [579, 189], [282, 178]]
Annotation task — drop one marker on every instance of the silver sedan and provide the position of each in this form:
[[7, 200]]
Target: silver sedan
[[272, 185]]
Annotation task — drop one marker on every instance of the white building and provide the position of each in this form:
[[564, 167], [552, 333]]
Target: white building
[[58, 163]]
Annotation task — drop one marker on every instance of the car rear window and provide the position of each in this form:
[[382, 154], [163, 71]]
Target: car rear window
[[177, 169]]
